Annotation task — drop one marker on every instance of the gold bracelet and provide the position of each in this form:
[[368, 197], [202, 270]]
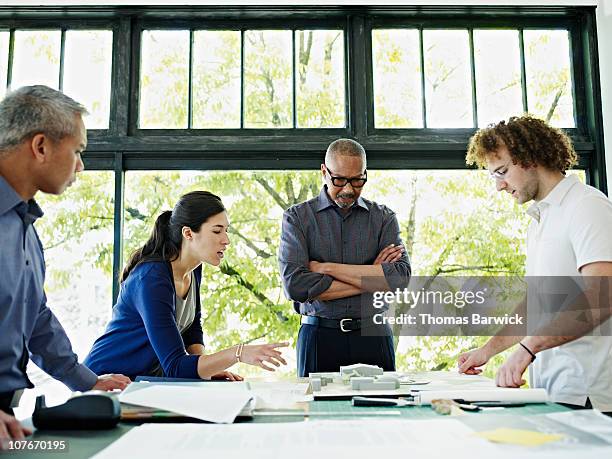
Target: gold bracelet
[[239, 351]]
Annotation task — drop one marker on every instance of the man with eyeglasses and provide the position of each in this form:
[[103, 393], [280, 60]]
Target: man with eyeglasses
[[570, 235], [334, 250]]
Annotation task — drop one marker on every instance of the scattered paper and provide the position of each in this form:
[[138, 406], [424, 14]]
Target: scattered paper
[[200, 402], [590, 421], [302, 440], [280, 394], [519, 437]]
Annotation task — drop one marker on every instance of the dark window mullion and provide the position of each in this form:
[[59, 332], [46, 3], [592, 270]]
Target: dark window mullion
[[473, 70], [190, 83], [345, 62], [349, 43], [241, 78], [62, 56], [294, 98], [118, 222], [573, 55], [357, 77], [135, 78], [11, 55], [523, 71], [423, 96], [120, 79]]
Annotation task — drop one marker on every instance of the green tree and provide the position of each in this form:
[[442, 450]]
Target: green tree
[[478, 232]]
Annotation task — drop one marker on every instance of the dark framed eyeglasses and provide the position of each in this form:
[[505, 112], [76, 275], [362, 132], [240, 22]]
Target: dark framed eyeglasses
[[356, 182]]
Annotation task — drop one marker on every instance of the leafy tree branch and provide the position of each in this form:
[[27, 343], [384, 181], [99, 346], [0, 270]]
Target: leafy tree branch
[[237, 276]]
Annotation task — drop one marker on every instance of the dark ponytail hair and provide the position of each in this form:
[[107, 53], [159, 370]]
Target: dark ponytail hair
[[165, 241]]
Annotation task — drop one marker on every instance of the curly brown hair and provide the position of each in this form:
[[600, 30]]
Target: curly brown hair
[[529, 140]]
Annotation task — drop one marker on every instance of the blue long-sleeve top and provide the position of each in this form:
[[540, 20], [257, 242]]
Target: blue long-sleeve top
[[143, 328], [28, 328]]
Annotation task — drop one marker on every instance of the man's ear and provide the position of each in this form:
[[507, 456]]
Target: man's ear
[[323, 170], [38, 147]]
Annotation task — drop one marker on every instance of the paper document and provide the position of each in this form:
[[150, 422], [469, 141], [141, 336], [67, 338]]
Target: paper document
[[279, 394], [590, 421], [504, 395], [303, 440], [579, 431], [445, 380], [212, 405]]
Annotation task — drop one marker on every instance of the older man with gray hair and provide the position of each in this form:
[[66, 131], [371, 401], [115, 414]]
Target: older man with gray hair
[[42, 136], [329, 246]]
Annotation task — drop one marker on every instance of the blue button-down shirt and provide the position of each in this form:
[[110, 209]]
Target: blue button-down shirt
[[317, 230], [28, 328]]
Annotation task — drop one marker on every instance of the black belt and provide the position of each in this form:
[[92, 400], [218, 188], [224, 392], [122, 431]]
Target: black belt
[[346, 325], [6, 399]]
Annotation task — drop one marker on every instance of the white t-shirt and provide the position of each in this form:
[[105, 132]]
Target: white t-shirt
[[572, 227]]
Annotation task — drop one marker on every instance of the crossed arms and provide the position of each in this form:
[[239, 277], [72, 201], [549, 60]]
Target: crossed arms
[[307, 280], [348, 278]]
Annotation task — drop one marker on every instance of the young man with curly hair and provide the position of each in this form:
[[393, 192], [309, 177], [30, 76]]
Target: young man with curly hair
[[569, 235]]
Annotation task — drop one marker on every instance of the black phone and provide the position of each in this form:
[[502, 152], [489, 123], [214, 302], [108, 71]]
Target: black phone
[[89, 411]]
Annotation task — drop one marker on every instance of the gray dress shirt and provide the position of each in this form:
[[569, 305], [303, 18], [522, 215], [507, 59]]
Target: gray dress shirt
[[317, 230], [28, 328]]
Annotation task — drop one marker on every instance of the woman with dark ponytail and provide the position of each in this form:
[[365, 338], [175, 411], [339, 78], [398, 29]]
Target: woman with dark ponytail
[[156, 327]]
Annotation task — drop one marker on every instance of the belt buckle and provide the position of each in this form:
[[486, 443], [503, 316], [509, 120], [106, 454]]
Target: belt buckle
[[342, 325]]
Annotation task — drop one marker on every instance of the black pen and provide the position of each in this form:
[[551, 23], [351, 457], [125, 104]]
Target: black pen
[[375, 401]]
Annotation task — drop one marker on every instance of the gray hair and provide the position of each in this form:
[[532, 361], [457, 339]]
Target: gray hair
[[345, 147], [34, 110]]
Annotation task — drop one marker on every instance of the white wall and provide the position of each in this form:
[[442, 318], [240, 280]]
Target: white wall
[[604, 39]]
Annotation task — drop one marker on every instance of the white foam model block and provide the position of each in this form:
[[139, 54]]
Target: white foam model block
[[368, 383], [326, 378], [360, 369]]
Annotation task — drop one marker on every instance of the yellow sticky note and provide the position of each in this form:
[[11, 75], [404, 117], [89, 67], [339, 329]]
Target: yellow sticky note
[[519, 437]]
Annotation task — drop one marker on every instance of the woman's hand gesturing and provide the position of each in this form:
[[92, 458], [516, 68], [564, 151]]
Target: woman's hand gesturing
[[260, 354]]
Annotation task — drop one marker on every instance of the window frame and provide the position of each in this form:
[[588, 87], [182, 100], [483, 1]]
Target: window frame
[[30, 24], [243, 26], [123, 146], [470, 26]]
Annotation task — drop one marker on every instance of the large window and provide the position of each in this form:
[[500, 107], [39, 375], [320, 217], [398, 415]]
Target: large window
[[436, 78], [78, 62], [76, 232], [452, 222], [269, 88], [243, 102], [224, 79], [472, 77]]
